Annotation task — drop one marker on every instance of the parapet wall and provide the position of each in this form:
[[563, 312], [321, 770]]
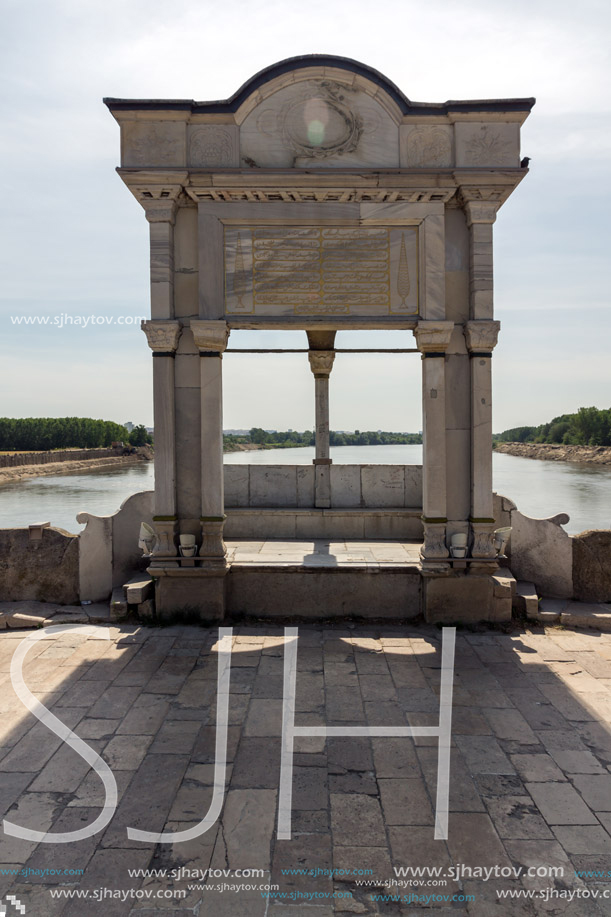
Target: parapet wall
[[352, 486]]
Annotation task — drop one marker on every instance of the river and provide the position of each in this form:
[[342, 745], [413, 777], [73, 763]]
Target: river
[[538, 488]]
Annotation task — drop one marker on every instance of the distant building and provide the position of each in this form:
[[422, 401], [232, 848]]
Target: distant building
[[129, 426]]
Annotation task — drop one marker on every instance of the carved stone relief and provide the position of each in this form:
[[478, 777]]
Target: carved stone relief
[[487, 144], [426, 145], [153, 143], [213, 145]]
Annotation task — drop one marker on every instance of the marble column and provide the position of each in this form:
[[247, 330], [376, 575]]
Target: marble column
[[162, 337], [211, 340], [432, 339], [480, 218], [481, 338], [161, 216], [321, 364]]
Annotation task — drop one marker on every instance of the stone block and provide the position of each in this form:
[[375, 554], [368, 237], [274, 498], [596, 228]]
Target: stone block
[[189, 592], [138, 589], [46, 570], [273, 485], [320, 594], [305, 485], [542, 553], [382, 485], [118, 604], [236, 485], [413, 485], [592, 566], [345, 485], [449, 599]]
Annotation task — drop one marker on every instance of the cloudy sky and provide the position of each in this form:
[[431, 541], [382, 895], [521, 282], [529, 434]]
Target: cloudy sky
[[75, 242]]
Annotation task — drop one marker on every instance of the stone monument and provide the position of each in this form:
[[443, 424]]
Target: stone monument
[[320, 198]]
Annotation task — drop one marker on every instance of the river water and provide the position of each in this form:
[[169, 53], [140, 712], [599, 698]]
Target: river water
[[538, 488]]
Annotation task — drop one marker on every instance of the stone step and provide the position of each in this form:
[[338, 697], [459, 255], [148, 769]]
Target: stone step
[[118, 604], [526, 599], [138, 589], [568, 613]]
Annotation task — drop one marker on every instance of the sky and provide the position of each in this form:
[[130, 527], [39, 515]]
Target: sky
[[74, 242]]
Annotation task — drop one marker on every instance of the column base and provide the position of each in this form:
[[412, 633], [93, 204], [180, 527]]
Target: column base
[[483, 539], [213, 547], [166, 530], [465, 599], [434, 547]]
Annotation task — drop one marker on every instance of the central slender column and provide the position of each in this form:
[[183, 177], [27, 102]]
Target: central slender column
[[321, 364], [211, 340], [432, 339], [162, 337]]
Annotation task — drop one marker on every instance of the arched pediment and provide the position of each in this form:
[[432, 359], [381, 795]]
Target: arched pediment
[[319, 115]]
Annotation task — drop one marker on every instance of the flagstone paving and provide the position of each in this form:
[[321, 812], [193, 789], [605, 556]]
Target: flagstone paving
[[530, 773]]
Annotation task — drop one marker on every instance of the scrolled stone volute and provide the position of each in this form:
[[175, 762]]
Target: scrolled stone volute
[[162, 336], [482, 335], [210, 336]]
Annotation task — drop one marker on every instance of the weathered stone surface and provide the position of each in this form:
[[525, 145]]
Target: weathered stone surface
[[46, 570], [592, 566]]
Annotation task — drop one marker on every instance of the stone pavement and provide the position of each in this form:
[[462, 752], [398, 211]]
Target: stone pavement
[[530, 773]]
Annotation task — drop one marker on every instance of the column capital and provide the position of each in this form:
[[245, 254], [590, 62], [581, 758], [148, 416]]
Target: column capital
[[481, 336], [433, 337], [210, 336], [159, 211], [162, 336], [480, 211], [321, 361]]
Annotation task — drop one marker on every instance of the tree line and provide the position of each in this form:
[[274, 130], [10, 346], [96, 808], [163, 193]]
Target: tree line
[[283, 439], [41, 434], [588, 427]]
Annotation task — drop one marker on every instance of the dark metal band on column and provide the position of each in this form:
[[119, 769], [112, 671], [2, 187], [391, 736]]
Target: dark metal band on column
[[164, 353]]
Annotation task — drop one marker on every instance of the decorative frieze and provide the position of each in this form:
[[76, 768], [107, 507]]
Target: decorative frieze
[[162, 336], [210, 336]]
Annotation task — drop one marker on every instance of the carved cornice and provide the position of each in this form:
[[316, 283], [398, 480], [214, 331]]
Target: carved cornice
[[309, 195], [210, 336], [481, 335], [162, 336], [433, 337], [321, 361]]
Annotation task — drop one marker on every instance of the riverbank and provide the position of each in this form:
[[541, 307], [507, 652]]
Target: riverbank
[[587, 455], [21, 472]]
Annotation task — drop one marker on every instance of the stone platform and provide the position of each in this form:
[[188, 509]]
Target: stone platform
[[530, 782], [324, 579]]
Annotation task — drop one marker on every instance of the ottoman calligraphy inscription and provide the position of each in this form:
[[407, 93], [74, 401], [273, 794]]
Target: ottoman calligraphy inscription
[[331, 270]]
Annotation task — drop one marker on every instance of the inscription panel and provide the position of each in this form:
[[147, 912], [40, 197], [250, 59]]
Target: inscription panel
[[313, 270]]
